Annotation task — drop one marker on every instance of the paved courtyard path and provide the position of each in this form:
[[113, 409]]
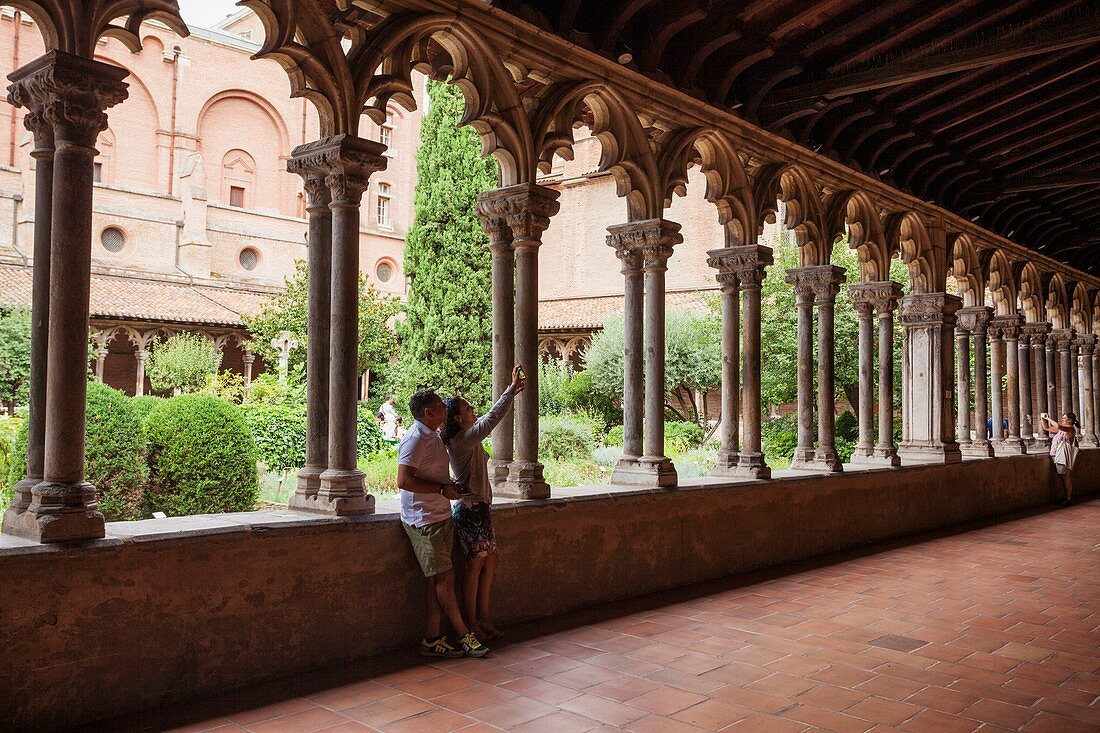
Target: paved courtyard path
[[992, 629]]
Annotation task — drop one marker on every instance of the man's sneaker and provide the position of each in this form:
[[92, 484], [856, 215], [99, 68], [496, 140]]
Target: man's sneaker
[[439, 647], [471, 647]]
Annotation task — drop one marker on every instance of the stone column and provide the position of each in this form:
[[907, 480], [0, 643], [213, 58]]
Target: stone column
[[73, 93], [529, 210], [1025, 387], [345, 162], [1010, 332], [139, 382], [1052, 370], [100, 357], [865, 311], [728, 453], [1063, 337], [975, 319], [43, 154], [249, 358], [752, 261], [491, 210], [318, 327], [996, 375], [929, 321], [633, 392], [1086, 346], [1096, 389], [881, 298], [962, 387], [1037, 334], [652, 240], [825, 292], [1075, 378], [804, 453]]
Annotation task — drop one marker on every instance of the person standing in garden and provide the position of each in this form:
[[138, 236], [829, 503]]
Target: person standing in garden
[[426, 487], [463, 435]]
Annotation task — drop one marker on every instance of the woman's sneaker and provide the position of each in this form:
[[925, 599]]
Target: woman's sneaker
[[471, 647], [439, 647]]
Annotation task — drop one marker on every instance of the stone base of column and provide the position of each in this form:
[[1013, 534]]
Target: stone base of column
[[727, 463], [1088, 442], [1009, 447], [68, 523], [828, 460], [498, 472], [525, 481], [13, 513], [753, 465], [977, 449], [655, 471], [878, 457], [803, 458], [309, 480], [341, 493], [930, 453]]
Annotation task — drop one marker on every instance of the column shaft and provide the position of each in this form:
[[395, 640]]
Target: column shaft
[[885, 448], [1066, 364], [804, 451], [996, 369], [1039, 376], [1012, 388], [750, 276], [504, 351], [962, 390], [866, 445], [728, 456], [981, 445], [826, 456], [139, 382], [1052, 373], [1024, 366], [633, 360], [655, 359], [1085, 347]]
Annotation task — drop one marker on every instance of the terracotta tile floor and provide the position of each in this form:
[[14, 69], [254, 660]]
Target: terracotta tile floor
[[994, 629]]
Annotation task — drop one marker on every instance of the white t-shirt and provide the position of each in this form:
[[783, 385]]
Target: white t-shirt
[[423, 449]]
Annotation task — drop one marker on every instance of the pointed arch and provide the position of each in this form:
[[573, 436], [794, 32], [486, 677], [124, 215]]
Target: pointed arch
[[907, 235], [966, 268], [804, 210], [1080, 314], [1002, 283], [1057, 302], [728, 185], [855, 214], [1031, 292], [626, 150], [76, 27]]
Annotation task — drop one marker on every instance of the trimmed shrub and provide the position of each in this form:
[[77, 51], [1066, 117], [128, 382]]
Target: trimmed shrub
[[847, 427], [203, 457], [616, 436], [114, 453], [17, 456], [280, 434], [680, 437], [10, 428], [144, 405], [565, 436], [368, 436]]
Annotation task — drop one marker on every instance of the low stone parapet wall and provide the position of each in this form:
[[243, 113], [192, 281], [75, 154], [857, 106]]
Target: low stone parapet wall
[[167, 610]]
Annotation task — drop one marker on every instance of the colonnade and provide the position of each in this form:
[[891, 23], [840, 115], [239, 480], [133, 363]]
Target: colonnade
[[66, 94]]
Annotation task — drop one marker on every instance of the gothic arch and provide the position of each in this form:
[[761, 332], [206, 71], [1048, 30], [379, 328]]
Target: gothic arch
[[966, 268], [1031, 292], [803, 207], [626, 151], [1002, 284], [1057, 302], [908, 237], [76, 27], [855, 212], [728, 186], [1080, 314]]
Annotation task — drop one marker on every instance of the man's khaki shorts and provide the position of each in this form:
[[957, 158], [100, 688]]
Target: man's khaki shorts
[[433, 544]]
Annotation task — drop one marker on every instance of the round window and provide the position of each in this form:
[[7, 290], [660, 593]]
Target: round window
[[112, 239], [384, 272], [249, 258]]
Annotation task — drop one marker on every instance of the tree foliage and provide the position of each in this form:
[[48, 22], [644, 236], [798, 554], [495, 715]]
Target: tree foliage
[[15, 356], [446, 337], [693, 361], [184, 362], [289, 311]]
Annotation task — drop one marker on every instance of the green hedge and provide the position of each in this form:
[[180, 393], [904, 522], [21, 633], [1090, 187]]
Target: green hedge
[[680, 437], [114, 453], [780, 436], [280, 434], [203, 457], [565, 436], [368, 436], [144, 405]]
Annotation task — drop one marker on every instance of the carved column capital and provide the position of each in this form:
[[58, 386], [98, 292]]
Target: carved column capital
[[740, 266], [344, 162], [1062, 338], [69, 94], [492, 213], [1006, 327], [929, 309], [882, 296], [1086, 344], [651, 240], [975, 319], [822, 282], [1036, 333]]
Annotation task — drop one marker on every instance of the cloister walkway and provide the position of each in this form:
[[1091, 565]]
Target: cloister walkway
[[992, 629]]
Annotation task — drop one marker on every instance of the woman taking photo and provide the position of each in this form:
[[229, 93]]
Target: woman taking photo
[[463, 434], [1063, 449]]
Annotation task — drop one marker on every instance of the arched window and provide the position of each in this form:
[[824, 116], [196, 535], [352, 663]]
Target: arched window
[[102, 168], [238, 179], [385, 134], [383, 213]]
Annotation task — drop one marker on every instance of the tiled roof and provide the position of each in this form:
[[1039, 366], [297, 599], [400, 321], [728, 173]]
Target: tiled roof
[[139, 299], [590, 313]]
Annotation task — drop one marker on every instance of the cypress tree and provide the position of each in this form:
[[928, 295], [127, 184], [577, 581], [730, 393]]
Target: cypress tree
[[447, 335]]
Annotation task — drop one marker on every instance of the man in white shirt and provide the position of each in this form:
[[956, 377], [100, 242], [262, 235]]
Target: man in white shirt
[[424, 477]]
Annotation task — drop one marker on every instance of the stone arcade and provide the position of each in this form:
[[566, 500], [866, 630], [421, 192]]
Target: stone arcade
[[527, 85]]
